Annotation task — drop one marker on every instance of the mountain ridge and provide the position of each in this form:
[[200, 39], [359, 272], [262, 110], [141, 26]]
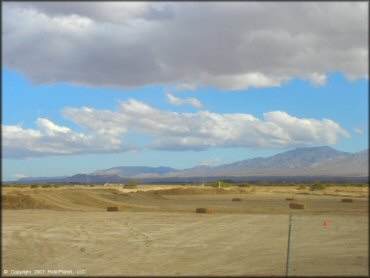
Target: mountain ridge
[[300, 162]]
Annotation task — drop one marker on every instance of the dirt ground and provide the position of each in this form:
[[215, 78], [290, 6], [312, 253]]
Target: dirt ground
[[67, 231]]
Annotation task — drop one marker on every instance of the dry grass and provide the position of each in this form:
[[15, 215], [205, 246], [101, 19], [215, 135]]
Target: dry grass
[[290, 199]]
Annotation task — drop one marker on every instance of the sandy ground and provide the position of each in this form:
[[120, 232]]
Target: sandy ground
[[158, 233]]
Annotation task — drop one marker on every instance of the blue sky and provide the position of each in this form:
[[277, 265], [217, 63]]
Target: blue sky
[[67, 108]]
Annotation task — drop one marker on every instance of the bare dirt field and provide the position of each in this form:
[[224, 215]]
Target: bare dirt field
[[51, 231]]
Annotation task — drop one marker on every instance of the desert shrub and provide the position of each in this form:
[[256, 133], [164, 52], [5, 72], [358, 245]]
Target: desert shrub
[[131, 184], [303, 186], [34, 186], [92, 185], [317, 186], [213, 184]]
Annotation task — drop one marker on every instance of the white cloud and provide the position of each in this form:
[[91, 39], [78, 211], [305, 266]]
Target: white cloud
[[202, 130], [185, 87], [188, 101], [19, 176], [51, 139], [241, 81], [209, 162], [168, 130], [358, 130], [305, 130], [52, 129], [318, 79], [229, 45]]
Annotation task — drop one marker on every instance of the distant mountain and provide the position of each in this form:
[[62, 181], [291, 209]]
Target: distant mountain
[[301, 163], [356, 164], [40, 179], [135, 171], [78, 178], [316, 161]]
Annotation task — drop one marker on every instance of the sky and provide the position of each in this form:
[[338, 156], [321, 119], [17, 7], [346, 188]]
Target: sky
[[95, 85]]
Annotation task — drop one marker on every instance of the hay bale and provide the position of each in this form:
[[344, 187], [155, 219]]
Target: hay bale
[[204, 210], [347, 200], [236, 199], [114, 209], [297, 206]]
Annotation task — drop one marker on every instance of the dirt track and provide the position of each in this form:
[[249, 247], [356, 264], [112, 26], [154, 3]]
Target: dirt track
[[185, 199], [159, 234]]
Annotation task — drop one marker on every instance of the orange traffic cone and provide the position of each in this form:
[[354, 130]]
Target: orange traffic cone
[[326, 223]]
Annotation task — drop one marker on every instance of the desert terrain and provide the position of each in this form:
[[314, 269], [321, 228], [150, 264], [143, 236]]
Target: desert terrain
[[68, 231]]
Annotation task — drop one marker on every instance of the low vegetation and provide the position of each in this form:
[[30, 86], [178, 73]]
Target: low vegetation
[[317, 186], [131, 184]]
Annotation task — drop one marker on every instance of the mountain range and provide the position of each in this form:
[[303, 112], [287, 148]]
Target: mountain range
[[298, 164]]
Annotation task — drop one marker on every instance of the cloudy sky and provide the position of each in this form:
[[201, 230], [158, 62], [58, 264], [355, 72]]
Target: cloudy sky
[[93, 85]]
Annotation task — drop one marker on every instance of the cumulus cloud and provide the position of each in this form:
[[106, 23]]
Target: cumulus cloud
[[205, 129], [105, 131], [51, 139], [229, 45], [188, 101]]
